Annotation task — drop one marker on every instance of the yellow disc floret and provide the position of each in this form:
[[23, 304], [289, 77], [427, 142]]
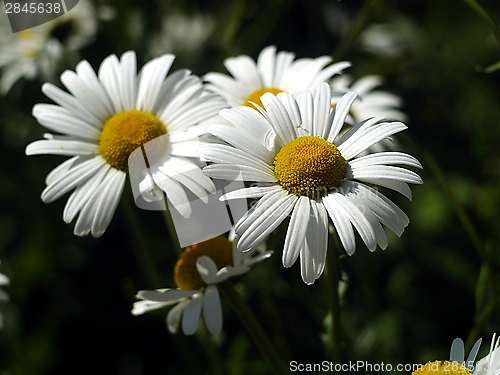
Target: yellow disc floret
[[309, 166], [125, 132], [254, 97], [442, 368], [186, 275]]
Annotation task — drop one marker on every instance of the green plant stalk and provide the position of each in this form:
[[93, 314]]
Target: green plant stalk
[[334, 303], [141, 246], [462, 215], [253, 327], [171, 231], [486, 18], [480, 320]]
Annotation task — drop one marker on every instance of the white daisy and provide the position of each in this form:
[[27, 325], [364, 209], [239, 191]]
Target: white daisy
[[457, 365], [105, 118], [197, 272], [305, 168], [490, 365], [182, 34], [370, 101], [273, 72], [4, 297], [40, 50]]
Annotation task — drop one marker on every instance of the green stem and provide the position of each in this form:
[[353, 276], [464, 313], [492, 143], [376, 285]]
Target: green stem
[[333, 274], [141, 247], [253, 327], [463, 217], [486, 18], [480, 320], [172, 232], [358, 25]]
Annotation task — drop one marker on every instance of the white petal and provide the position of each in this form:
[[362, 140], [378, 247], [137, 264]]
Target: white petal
[[242, 141], [74, 177], [82, 194], [140, 307], [212, 310], [59, 119], [342, 224], [206, 268], [322, 107], [191, 315], [94, 102], [251, 192], [61, 147], [88, 75], [357, 140], [62, 169], [457, 352], [385, 158], [109, 73], [306, 104], [279, 119], [266, 65], [174, 316], [152, 75], [307, 264], [166, 296], [268, 221], [356, 217], [71, 104], [340, 113], [109, 198], [321, 236], [385, 172], [230, 155], [175, 193], [296, 232], [128, 80], [238, 173]]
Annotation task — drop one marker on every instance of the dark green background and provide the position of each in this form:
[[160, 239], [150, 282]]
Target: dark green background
[[71, 297]]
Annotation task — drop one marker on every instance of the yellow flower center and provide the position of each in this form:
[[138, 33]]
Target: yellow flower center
[[254, 97], [186, 275], [442, 368], [309, 166], [125, 132], [25, 34]]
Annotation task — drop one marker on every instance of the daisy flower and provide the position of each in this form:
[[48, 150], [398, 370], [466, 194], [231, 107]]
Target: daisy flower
[[105, 117], [273, 72], [4, 297], [370, 101], [197, 272], [182, 34], [305, 169], [489, 365], [40, 50]]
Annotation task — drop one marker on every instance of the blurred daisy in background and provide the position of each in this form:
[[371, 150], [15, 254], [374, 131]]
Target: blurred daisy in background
[[104, 118], [41, 50], [382, 40], [304, 168], [4, 297], [273, 72], [370, 102], [197, 272], [182, 34]]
